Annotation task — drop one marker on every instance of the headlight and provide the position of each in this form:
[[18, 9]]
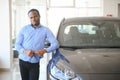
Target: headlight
[[63, 71]]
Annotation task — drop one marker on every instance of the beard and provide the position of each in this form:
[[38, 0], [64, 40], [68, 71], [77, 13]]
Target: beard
[[35, 23]]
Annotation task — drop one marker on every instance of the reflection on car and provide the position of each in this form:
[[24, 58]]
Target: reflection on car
[[92, 47]]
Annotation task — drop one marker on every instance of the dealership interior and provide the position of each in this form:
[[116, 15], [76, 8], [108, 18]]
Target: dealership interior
[[14, 16]]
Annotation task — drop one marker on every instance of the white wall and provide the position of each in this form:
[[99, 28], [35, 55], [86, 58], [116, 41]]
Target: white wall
[[110, 7], [4, 34]]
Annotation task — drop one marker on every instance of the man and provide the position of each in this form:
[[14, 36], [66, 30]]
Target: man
[[30, 44]]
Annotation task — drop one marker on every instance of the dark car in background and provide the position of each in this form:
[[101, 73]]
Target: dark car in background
[[90, 47]]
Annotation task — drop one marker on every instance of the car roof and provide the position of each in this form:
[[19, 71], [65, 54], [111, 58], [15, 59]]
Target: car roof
[[75, 19]]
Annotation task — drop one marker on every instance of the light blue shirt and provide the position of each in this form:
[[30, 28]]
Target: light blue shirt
[[30, 38]]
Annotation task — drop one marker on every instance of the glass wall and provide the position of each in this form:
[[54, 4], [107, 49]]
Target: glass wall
[[72, 8], [52, 12]]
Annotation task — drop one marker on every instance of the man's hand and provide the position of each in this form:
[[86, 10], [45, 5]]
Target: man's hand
[[41, 52], [30, 53]]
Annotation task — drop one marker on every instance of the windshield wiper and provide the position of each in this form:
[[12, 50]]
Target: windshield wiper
[[86, 47]]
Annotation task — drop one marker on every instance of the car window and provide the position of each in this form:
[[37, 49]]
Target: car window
[[90, 34]]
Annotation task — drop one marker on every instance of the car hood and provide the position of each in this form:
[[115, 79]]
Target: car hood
[[90, 61]]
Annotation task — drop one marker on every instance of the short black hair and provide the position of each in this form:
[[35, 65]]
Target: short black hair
[[33, 10]]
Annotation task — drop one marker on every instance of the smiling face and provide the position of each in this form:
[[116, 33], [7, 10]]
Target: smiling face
[[34, 18]]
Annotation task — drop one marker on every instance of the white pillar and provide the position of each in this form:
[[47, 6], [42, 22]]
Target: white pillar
[[5, 51]]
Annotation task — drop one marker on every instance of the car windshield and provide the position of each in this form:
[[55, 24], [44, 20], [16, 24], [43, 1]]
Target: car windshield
[[90, 34]]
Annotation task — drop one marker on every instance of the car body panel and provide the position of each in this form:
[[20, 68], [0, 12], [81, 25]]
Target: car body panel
[[92, 46], [86, 61]]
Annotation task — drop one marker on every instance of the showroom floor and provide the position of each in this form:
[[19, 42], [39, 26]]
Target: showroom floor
[[14, 74]]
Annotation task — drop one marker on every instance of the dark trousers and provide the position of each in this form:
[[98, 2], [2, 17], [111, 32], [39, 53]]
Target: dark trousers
[[29, 71]]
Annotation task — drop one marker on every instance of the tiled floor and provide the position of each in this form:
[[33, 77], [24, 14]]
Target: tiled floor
[[14, 74], [6, 75]]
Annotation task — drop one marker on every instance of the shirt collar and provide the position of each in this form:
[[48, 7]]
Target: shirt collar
[[36, 27]]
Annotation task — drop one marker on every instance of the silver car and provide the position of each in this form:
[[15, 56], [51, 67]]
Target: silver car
[[89, 49]]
